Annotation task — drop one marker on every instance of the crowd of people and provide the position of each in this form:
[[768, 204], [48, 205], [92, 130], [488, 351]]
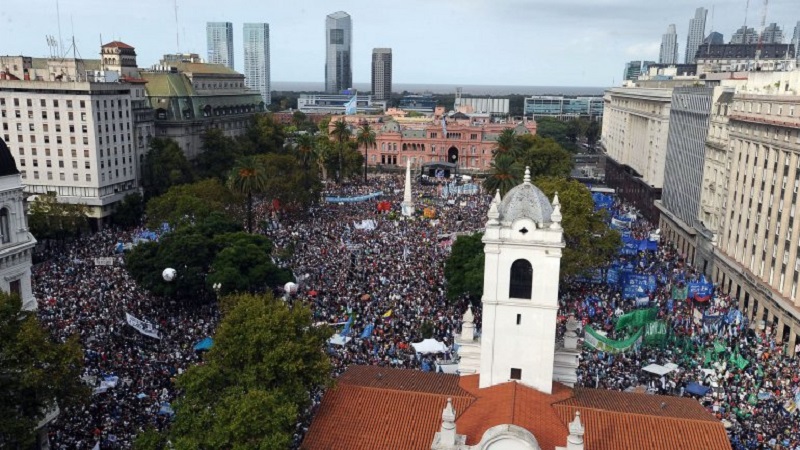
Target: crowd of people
[[380, 280]]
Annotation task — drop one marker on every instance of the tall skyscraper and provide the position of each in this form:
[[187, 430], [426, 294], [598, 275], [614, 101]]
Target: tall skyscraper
[[219, 39], [669, 46], [744, 35], [772, 34], [256, 59], [796, 40], [697, 31], [381, 73], [338, 64], [632, 70]]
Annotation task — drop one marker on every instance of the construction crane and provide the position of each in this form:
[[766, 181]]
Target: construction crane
[[761, 31]]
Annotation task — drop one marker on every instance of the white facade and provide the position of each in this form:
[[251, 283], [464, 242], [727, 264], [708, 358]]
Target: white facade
[[669, 46], [635, 130], [219, 41], [523, 242], [16, 243], [256, 59], [695, 35], [74, 139]]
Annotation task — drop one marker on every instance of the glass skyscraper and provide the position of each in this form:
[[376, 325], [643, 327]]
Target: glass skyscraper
[[338, 46], [669, 46], [697, 31], [219, 39], [381, 73], [256, 59]]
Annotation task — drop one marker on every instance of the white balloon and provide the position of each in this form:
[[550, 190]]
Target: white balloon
[[169, 274], [290, 287]]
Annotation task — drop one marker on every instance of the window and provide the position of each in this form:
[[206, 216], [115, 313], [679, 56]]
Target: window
[[516, 374], [519, 319], [5, 229], [521, 279]]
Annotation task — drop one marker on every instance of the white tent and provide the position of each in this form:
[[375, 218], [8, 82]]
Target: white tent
[[338, 339], [447, 368], [657, 369], [429, 346]]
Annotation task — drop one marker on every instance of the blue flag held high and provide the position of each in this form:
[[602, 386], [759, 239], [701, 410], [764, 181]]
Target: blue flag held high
[[346, 329], [367, 331]]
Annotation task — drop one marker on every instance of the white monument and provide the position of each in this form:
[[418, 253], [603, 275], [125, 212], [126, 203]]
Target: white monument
[[407, 207], [523, 242], [16, 243]]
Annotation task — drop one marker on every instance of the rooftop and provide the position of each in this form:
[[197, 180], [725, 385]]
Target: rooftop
[[376, 407]]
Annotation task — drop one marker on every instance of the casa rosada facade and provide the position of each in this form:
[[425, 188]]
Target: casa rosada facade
[[465, 141]]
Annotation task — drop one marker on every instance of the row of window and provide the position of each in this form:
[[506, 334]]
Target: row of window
[[49, 175], [765, 108], [43, 102], [46, 127], [30, 115]]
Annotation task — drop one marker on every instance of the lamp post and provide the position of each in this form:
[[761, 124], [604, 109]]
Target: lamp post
[[216, 287]]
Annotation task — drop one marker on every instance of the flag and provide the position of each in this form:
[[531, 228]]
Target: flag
[[680, 293], [367, 331], [637, 318], [350, 106], [387, 314], [718, 347], [142, 326], [346, 329], [655, 332], [96, 446]]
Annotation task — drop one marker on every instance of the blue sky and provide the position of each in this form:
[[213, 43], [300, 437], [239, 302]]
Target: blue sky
[[497, 42]]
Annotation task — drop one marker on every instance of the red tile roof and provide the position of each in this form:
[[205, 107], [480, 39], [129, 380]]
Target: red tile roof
[[381, 408], [117, 44]]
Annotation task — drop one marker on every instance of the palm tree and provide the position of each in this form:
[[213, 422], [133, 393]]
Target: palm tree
[[305, 147], [365, 137], [320, 154], [248, 177], [507, 143], [505, 174], [341, 131]]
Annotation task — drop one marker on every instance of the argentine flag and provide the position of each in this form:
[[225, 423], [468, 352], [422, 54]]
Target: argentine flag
[[350, 106]]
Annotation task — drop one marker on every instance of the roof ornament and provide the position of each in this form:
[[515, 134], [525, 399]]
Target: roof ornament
[[555, 217], [575, 438], [527, 179]]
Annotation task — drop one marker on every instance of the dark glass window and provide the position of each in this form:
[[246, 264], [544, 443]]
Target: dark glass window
[[521, 279], [516, 374], [337, 36], [5, 228]]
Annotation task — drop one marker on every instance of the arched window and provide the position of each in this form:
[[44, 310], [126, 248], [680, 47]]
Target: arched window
[[521, 285], [5, 229]]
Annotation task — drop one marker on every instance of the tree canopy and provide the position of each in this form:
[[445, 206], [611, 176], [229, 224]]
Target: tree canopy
[[36, 374], [189, 203], [50, 219], [217, 155], [464, 268], [165, 165], [544, 156], [255, 381], [264, 135], [590, 242]]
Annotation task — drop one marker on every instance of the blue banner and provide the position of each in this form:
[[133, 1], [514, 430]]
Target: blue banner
[[636, 285], [700, 289], [612, 276], [360, 198], [367, 331]]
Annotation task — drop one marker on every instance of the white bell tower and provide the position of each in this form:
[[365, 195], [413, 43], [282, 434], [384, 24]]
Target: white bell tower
[[523, 242]]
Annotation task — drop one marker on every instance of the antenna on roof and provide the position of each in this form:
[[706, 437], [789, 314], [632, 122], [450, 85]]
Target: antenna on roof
[[60, 42], [177, 29]]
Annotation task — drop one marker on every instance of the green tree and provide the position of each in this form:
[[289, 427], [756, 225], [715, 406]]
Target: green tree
[[189, 203], [255, 381], [544, 157], [248, 177], [590, 242], [464, 268], [322, 153], [304, 148], [287, 181], [575, 129], [551, 127], [36, 374], [341, 132], [165, 166], [366, 138], [504, 174], [507, 144], [50, 219], [264, 135], [593, 133], [299, 118], [243, 265], [216, 156], [129, 211]]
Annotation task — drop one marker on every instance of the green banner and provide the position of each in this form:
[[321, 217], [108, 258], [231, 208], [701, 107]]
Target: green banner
[[638, 318], [598, 341], [680, 293], [655, 333]]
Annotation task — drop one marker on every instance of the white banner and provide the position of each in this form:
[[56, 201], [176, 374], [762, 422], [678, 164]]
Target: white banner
[[144, 327], [107, 261], [366, 224]]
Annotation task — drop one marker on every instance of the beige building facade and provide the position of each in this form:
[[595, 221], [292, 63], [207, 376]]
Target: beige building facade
[[759, 234]]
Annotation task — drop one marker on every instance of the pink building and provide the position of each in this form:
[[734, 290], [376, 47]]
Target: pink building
[[467, 141]]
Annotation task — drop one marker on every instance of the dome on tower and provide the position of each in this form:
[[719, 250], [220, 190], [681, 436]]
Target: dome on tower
[[526, 201]]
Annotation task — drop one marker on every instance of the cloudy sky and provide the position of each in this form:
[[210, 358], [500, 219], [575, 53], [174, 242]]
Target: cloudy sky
[[492, 42]]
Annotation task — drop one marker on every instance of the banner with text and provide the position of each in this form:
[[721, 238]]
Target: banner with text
[[142, 326]]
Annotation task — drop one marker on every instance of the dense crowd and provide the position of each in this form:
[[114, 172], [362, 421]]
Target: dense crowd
[[380, 280]]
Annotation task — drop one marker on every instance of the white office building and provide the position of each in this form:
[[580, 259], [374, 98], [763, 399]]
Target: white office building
[[219, 39], [338, 51], [696, 34], [669, 46], [256, 59]]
